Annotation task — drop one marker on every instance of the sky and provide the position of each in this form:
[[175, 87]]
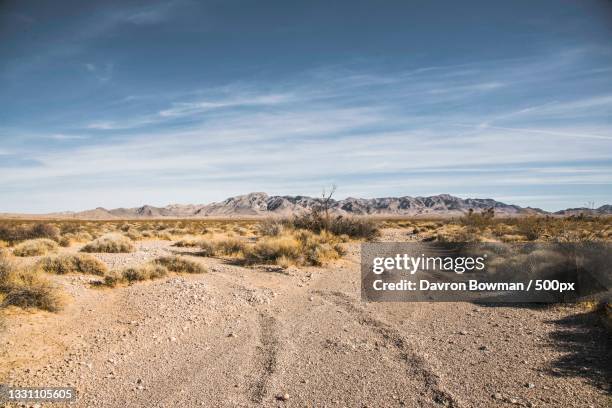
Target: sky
[[120, 104]]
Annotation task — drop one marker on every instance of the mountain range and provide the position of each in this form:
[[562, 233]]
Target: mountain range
[[262, 204]]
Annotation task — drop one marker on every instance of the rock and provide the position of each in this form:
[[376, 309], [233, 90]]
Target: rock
[[463, 333], [282, 397], [530, 385], [497, 396], [232, 335]]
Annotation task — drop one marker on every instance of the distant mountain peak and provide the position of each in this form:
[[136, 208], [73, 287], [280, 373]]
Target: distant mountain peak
[[259, 204]]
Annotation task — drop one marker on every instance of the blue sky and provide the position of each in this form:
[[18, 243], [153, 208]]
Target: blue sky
[[126, 103]]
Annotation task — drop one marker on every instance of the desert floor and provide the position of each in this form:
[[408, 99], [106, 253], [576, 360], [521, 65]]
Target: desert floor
[[298, 337]]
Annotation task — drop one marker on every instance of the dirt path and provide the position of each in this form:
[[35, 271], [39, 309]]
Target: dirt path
[[238, 337]]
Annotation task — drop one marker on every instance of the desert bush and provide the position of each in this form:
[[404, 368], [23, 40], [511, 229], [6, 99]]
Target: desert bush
[[179, 264], [271, 249], [133, 234], [206, 248], [165, 235], [230, 246], [35, 247], [187, 243], [531, 227], [110, 243], [295, 248], [271, 227], [354, 227], [25, 288], [144, 272], [16, 233], [112, 279], [73, 263], [80, 236]]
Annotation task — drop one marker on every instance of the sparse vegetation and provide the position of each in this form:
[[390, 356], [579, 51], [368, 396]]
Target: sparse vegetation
[[229, 246], [35, 247], [25, 288], [144, 272], [73, 263], [16, 233], [354, 227], [294, 248], [180, 264], [110, 243]]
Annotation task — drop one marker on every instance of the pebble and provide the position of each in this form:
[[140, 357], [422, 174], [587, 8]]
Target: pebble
[[282, 397]]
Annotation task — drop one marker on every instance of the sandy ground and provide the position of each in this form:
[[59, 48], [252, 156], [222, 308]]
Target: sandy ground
[[250, 337]]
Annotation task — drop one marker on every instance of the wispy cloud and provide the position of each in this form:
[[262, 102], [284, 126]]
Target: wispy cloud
[[103, 72], [442, 129]]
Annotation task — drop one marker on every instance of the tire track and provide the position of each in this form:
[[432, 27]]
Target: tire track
[[416, 365], [266, 357]]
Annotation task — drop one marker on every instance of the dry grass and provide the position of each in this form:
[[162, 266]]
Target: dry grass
[[294, 248], [26, 288], [73, 263], [478, 228], [180, 264], [188, 243], [35, 247], [15, 233], [229, 246], [110, 243], [354, 227], [144, 272]]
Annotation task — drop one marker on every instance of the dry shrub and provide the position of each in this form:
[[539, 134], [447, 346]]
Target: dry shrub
[[144, 272], [271, 227], [16, 233], [187, 243], [531, 227], [133, 234], [73, 263], [26, 288], [35, 247], [112, 279], [206, 248], [230, 246], [165, 235], [179, 264], [295, 248], [354, 227], [110, 243]]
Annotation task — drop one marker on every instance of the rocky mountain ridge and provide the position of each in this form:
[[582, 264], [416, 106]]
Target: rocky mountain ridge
[[262, 204]]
